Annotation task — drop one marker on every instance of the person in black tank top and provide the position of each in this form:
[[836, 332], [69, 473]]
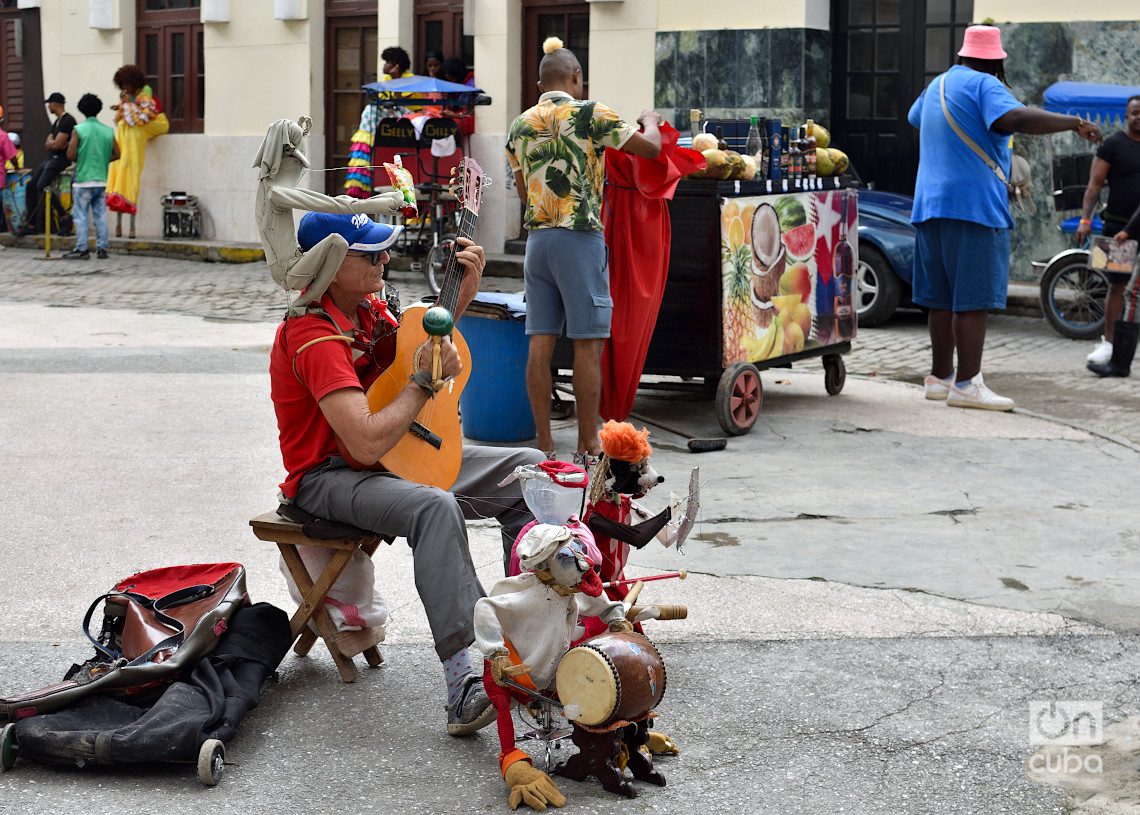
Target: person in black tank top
[[1117, 162]]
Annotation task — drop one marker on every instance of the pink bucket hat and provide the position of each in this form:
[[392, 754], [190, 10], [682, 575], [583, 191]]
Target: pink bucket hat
[[982, 42]]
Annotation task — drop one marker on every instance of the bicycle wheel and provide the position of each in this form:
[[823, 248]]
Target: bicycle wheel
[[436, 265], [1072, 299]]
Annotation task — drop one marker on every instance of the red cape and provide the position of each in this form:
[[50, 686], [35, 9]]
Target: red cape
[[636, 219]]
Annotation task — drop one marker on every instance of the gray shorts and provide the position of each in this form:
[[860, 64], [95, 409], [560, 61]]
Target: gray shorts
[[567, 283]]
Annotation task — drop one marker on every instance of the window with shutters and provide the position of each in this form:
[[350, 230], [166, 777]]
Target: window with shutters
[[170, 53]]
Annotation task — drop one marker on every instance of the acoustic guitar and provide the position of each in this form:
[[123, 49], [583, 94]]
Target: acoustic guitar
[[431, 452]]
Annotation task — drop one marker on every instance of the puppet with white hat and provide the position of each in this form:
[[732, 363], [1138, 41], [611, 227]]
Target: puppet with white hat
[[524, 627]]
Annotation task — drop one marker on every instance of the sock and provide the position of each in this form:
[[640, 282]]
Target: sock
[[456, 669], [963, 383]]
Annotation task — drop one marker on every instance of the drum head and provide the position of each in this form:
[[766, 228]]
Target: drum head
[[586, 678]]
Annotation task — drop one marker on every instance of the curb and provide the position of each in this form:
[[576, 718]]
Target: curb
[[206, 251]]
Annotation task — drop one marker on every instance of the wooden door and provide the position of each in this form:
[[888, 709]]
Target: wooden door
[[884, 54], [439, 27], [351, 60], [570, 22]]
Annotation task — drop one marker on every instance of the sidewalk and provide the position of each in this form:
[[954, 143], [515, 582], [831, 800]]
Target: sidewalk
[[879, 587], [1024, 297]]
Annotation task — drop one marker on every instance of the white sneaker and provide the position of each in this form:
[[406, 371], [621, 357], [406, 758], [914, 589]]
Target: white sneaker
[[977, 395], [1102, 353], [935, 388]]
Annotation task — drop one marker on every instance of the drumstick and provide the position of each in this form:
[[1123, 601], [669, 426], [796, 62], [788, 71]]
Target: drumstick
[[681, 575], [631, 598]]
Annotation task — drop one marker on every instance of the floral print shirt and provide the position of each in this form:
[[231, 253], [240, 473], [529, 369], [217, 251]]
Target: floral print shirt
[[559, 145]]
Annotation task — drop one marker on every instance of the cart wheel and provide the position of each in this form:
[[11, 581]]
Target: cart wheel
[[9, 749], [834, 374], [738, 398], [211, 760]]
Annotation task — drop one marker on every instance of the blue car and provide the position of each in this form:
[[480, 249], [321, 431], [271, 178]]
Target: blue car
[[886, 255]]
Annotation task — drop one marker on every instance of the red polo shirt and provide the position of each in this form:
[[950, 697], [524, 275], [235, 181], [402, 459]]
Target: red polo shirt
[[300, 380]]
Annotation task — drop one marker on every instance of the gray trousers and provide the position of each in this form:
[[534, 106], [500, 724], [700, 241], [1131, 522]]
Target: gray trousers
[[432, 521]]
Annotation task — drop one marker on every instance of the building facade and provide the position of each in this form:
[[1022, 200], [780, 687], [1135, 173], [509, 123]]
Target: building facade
[[225, 69]]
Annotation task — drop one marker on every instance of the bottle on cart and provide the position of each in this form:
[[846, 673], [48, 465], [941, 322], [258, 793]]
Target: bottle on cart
[[773, 149], [762, 155], [844, 272], [785, 168], [694, 123], [752, 146], [721, 144], [809, 144], [796, 158]]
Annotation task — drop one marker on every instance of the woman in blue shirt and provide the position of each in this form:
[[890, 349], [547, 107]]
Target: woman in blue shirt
[[961, 211]]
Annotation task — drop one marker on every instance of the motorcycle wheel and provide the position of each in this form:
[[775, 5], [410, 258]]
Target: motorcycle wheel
[[1072, 299]]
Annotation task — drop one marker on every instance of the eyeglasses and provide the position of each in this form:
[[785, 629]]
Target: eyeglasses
[[375, 256]]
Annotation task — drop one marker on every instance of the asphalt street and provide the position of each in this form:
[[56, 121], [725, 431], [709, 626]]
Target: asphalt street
[[881, 590]]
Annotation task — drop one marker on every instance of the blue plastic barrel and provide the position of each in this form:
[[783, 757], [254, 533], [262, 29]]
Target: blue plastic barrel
[[494, 405]]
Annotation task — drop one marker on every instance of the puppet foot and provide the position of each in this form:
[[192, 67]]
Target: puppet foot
[[532, 787], [660, 744]]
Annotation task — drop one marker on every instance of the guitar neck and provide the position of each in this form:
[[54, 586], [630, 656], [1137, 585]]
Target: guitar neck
[[453, 275]]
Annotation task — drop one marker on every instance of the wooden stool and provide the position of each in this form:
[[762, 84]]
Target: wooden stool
[[288, 536]]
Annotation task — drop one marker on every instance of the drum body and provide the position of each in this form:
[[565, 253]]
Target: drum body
[[610, 678]]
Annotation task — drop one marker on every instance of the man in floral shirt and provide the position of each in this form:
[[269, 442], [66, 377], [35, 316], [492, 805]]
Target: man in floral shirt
[[557, 152]]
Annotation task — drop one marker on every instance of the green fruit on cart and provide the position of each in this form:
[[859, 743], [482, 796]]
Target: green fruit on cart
[[824, 166], [839, 158], [790, 212]]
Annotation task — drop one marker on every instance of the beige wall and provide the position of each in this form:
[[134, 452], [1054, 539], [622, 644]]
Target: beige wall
[[687, 15], [395, 25], [1054, 11], [84, 58], [628, 28], [259, 69]]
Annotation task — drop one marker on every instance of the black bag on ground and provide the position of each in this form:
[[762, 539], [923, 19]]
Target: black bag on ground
[[209, 702]]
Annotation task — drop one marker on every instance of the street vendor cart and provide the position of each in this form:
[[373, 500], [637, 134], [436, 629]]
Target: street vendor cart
[[757, 278]]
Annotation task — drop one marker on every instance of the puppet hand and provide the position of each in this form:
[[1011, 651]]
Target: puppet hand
[[531, 787], [386, 203], [620, 626], [645, 613], [503, 669], [659, 744]]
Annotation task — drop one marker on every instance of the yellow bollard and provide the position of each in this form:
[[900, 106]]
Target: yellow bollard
[[47, 222]]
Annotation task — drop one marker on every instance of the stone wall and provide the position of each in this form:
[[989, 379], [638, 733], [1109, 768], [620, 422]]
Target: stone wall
[[733, 74], [1039, 55]]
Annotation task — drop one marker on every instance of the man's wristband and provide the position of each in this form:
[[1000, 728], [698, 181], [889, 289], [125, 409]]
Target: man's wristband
[[423, 379], [1080, 123], [1086, 222]]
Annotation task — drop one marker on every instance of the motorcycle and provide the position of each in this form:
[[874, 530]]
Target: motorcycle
[[1072, 291]]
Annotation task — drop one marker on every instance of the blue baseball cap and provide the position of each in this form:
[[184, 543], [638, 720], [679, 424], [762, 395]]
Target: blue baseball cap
[[362, 233]]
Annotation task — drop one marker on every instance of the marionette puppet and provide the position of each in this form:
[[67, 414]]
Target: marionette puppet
[[614, 516], [281, 161], [525, 627]]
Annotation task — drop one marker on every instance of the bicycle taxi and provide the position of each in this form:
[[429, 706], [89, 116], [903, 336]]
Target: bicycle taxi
[[425, 122]]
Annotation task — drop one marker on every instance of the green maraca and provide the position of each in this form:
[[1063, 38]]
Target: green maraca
[[438, 321]]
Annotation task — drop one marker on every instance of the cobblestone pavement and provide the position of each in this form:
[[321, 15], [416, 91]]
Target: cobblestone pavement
[[1025, 359]]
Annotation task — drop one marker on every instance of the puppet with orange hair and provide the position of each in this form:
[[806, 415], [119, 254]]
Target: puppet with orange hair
[[623, 475]]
